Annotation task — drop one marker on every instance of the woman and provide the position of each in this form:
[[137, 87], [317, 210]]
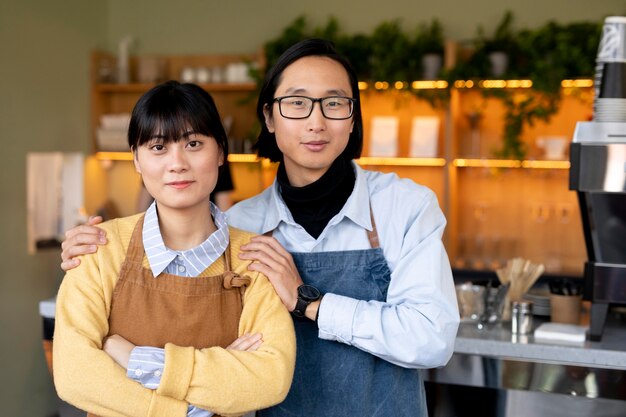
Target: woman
[[355, 255], [171, 279]]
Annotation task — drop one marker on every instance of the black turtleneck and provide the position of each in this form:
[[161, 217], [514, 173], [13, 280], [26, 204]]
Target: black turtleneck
[[313, 205]]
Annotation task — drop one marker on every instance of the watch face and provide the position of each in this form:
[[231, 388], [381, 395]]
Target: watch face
[[308, 293]]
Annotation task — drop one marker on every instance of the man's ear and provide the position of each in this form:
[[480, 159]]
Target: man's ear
[[269, 120]]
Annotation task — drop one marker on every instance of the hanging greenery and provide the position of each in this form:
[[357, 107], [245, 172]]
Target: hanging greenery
[[387, 54], [545, 55]]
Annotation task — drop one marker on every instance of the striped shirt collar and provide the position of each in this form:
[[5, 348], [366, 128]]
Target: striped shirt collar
[[189, 262]]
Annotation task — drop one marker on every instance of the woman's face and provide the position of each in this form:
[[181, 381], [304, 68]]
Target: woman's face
[[310, 145], [179, 175]]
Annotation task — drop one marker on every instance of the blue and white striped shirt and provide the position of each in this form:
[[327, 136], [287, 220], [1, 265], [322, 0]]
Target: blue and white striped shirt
[[146, 363], [187, 263]]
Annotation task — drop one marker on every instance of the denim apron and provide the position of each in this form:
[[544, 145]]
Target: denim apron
[[334, 379]]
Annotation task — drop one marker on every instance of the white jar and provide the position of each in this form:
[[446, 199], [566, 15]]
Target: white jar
[[188, 75]]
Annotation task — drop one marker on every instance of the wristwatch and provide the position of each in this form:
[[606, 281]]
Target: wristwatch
[[306, 295]]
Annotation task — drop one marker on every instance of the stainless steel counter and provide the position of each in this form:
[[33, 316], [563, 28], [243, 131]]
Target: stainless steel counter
[[498, 342], [520, 376]]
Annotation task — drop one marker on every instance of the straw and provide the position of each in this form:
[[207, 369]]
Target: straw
[[520, 274]]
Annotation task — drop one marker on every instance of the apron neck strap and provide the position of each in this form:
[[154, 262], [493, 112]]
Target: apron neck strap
[[372, 235], [135, 250]]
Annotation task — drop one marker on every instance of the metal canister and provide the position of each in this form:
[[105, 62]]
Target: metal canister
[[522, 317]]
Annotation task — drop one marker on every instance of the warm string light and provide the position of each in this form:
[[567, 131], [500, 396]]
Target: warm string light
[[128, 156], [429, 85], [461, 84], [510, 163], [581, 83], [398, 161], [404, 85]]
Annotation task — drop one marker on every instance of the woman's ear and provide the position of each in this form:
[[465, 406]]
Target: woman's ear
[[220, 161], [269, 121], [135, 160]]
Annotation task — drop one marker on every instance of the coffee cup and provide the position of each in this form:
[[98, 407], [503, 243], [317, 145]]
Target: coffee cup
[[612, 49], [612, 46], [613, 83], [565, 308]]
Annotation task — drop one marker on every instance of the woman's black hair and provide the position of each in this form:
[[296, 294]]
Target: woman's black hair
[[171, 109], [266, 143]]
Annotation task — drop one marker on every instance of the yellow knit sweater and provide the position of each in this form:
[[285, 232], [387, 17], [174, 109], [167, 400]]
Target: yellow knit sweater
[[223, 381]]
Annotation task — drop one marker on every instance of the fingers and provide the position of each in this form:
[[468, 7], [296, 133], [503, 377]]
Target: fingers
[[261, 252], [268, 251], [86, 229], [93, 220], [269, 242], [247, 342], [71, 264], [81, 240]]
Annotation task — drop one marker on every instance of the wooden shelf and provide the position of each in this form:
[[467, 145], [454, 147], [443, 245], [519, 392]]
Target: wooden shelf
[[510, 163], [396, 161], [252, 158]]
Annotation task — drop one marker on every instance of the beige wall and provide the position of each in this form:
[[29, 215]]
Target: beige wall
[[44, 50], [210, 26], [44, 106]]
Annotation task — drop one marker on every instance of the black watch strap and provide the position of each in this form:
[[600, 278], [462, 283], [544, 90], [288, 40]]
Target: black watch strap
[[301, 306], [306, 295]]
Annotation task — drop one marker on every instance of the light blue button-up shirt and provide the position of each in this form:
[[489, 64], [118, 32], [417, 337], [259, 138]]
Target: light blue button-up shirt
[[416, 326]]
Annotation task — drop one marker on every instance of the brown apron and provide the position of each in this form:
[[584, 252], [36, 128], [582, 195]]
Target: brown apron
[[202, 312]]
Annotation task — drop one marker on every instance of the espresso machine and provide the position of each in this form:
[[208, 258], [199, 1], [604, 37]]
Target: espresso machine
[[598, 175]]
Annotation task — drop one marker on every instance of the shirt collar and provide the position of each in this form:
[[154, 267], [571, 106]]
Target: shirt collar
[[196, 259], [357, 208]]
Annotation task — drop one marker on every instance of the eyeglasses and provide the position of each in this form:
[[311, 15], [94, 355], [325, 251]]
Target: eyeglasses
[[301, 107]]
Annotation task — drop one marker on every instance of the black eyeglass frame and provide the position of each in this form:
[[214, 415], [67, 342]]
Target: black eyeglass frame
[[316, 100]]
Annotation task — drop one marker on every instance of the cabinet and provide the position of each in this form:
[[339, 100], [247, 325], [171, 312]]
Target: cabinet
[[496, 209]]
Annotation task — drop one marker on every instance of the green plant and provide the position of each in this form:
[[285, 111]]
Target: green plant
[[555, 52], [387, 54], [545, 56], [293, 33], [477, 64], [503, 39], [429, 38], [521, 110], [389, 46]]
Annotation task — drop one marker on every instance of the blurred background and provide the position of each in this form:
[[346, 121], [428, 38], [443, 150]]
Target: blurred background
[[46, 106]]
